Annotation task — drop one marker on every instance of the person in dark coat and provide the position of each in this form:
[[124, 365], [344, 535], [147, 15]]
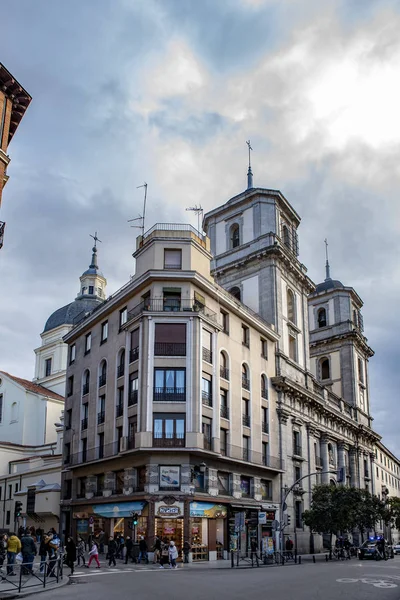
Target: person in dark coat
[[70, 548], [186, 550], [129, 550], [28, 551], [112, 551], [43, 553], [143, 550]]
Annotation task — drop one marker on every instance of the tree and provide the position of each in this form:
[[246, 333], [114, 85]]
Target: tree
[[366, 510]]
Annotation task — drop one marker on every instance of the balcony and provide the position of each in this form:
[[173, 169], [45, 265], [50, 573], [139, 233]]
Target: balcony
[[119, 410], [172, 305], [102, 380], [224, 412], [133, 398], [319, 462], [206, 398], [121, 370], [93, 454], [246, 383], [133, 354], [175, 441], [169, 349], [257, 458], [246, 420], [264, 427], [85, 389], [84, 423], [169, 395], [246, 454], [101, 417], [297, 451], [207, 355], [224, 373]]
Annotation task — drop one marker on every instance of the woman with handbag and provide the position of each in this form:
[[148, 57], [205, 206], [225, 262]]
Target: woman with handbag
[[164, 553]]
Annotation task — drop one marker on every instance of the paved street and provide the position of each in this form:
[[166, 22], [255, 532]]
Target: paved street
[[354, 579]]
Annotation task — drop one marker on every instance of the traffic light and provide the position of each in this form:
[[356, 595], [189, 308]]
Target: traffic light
[[18, 509], [287, 519], [135, 519]]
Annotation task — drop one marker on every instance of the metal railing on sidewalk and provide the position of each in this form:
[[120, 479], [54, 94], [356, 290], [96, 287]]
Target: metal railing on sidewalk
[[22, 576]]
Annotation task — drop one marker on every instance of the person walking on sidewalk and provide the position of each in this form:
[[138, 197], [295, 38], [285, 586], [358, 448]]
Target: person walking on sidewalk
[[186, 550], [80, 548], [111, 551], [129, 550], [13, 547], [94, 555], [253, 550], [70, 548], [43, 553], [173, 555], [164, 553], [53, 545], [157, 550], [28, 550], [143, 551]]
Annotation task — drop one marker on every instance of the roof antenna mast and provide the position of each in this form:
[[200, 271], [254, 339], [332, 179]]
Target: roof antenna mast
[[327, 267], [198, 210], [143, 216]]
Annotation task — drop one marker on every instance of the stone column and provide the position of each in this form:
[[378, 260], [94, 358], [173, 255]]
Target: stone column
[[152, 482], [91, 487], [342, 449], [213, 482], [236, 491], [256, 491], [325, 458], [372, 467], [353, 467], [109, 483], [360, 459], [130, 481]]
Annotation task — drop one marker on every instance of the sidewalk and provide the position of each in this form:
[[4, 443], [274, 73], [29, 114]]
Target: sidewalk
[[30, 584]]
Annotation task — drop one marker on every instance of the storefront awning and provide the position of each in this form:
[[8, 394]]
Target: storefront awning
[[118, 509]]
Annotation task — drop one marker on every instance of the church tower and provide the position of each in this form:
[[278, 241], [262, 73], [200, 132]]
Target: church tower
[[338, 348], [51, 356], [255, 246]]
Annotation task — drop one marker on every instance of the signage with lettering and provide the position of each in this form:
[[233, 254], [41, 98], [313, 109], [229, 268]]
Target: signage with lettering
[[172, 511]]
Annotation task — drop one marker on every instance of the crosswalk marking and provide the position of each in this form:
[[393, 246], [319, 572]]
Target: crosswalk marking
[[116, 571]]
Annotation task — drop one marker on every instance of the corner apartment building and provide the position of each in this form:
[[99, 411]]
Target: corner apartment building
[[387, 484], [169, 409]]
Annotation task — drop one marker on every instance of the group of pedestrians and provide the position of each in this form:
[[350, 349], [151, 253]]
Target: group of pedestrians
[[23, 549]]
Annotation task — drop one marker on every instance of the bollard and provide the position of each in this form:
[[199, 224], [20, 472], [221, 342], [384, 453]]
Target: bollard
[[232, 560], [300, 560], [313, 558], [326, 558], [295, 557], [283, 559]]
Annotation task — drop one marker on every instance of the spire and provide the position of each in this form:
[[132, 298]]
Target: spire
[[94, 264], [249, 172], [327, 267], [92, 281]]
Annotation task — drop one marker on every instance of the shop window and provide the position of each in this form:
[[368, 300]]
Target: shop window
[[170, 339]]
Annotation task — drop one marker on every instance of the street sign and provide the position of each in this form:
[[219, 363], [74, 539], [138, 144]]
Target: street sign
[[262, 518], [91, 520]]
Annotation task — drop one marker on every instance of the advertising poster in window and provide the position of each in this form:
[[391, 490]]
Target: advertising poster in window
[[170, 477]]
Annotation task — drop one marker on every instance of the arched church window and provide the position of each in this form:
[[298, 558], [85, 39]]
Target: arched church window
[[322, 317], [235, 236], [325, 369], [291, 312], [235, 291]]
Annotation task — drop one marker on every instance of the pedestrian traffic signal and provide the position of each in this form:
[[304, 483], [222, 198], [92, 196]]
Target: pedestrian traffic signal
[[18, 509], [135, 519]]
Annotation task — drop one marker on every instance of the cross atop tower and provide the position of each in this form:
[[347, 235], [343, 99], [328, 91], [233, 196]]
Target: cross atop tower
[[249, 172], [96, 239], [327, 267]]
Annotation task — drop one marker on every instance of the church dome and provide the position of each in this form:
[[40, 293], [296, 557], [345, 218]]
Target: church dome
[[67, 314], [329, 284]]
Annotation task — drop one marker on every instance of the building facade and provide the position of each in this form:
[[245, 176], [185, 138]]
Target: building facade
[[14, 101], [386, 476], [171, 413]]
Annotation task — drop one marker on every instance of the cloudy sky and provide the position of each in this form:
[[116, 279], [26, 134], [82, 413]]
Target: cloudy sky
[[167, 91]]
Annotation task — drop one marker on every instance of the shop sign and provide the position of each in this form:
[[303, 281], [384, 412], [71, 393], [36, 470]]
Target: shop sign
[[208, 510], [81, 515], [173, 511], [262, 518], [118, 510], [170, 477]]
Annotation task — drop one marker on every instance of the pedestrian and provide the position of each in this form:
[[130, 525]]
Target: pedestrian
[[289, 548], [70, 548], [43, 553], [53, 545], [173, 555], [253, 550], [186, 549], [39, 534], [118, 543], [94, 555], [28, 550], [80, 548], [157, 550], [3, 551], [143, 550], [129, 550], [13, 547], [111, 551], [164, 553], [101, 541]]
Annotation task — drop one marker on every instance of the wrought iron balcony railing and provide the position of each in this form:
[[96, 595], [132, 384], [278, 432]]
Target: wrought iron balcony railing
[[169, 349], [206, 398], [85, 389], [224, 412], [224, 373], [119, 410], [174, 441], [207, 355], [101, 417], [245, 383], [120, 370], [133, 354], [167, 394], [133, 398]]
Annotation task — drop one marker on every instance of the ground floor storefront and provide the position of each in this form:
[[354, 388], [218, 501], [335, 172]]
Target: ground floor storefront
[[212, 528]]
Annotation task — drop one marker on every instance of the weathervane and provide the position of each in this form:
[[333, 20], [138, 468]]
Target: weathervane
[[143, 216], [249, 172]]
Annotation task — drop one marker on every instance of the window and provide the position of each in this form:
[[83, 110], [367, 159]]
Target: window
[[264, 387], [264, 348], [235, 291], [265, 453], [170, 339], [9, 491], [292, 347], [245, 336], [132, 430], [1, 492], [99, 484], [86, 383], [88, 342], [72, 353], [246, 412], [265, 420], [68, 419], [103, 373], [1, 408], [245, 486], [101, 415], [8, 517], [67, 453], [47, 367], [91, 289], [325, 368], [297, 443], [291, 306], [286, 236], [70, 385], [133, 388], [81, 487], [119, 438], [207, 346], [121, 363], [225, 321], [297, 474], [223, 483], [104, 332], [100, 439], [169, 431], [169, 385], [120, 402], [235, 236], [171, 300], [206, 390], [119, 481], [321, 316], [246, 447], [85, 413], [224, 410], [14, 412], [172, 259], [298, 515], [360, 370], [207, 433], [266, 489], [223, 366], [223, 436], [123, 316], [134, 349], [245, 378]]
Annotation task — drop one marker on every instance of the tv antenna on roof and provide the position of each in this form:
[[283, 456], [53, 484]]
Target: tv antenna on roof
[[198, 210], [141, 217]]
